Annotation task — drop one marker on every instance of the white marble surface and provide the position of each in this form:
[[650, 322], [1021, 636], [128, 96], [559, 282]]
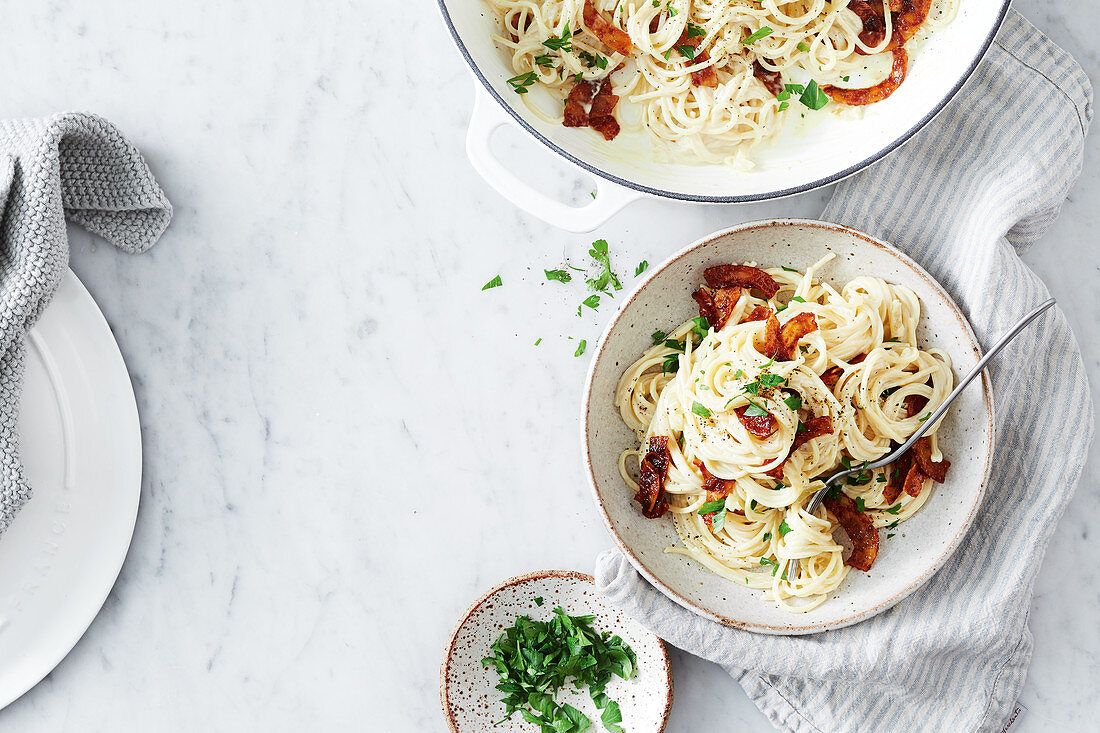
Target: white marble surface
[[346, 441]]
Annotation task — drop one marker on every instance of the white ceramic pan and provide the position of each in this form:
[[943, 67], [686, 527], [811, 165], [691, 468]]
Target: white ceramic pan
[[826, 152]]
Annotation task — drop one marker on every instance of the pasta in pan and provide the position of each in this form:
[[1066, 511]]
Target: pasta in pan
[[710, 79], [742, 411]]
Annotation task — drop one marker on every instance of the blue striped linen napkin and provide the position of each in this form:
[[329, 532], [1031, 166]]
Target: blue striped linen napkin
[[980, 184]]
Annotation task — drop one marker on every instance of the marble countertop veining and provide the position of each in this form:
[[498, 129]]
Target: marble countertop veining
[[333, 410]]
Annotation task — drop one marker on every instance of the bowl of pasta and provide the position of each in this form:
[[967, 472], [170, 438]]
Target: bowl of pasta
[[717, 101], [744, 370]]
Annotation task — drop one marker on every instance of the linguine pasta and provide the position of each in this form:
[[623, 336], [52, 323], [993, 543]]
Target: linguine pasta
[[711, 79], [737, 493]]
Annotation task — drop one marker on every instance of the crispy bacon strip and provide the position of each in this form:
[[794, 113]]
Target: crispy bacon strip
[[707, 308], [914, 480], [579, 96], [600, 116], [878, 92], [652, 479], [815, 428], [793, 330], [704, 77], [859, 528], [743, 276], [914, 404], [769, 342], [832, 375], [896, 475], [922, 452], [716, 488], [874, 25], [772, 80], [908, 17], [725, 300], [614, 38], [759, 425], [759, 313]]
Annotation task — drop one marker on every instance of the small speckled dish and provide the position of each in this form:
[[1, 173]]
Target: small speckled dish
[[471, 701], [663, 301]]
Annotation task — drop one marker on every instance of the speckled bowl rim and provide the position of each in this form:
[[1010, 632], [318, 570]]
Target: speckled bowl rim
[[792, 629], [518, 580]]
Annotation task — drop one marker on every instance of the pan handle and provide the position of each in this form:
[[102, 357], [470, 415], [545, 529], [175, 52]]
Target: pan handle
[[486, 118]]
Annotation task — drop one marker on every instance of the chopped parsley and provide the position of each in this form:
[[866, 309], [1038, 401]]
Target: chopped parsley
[[640, 268], [538, 600], [606, 277], [520, 82], [891, 535], [794, 401], [802, 46], [813, 97], [538, 341], [784, 528], [894, 509], [592, 301], [700, 325], [755, 410], [544, 60], [593, 60], [926, 416], [658, 337], [767, 536], [564, 42], [581, 347], [561, 276], [753, 38], [695, 30], [533, 660], [494, 283], [700, 410], [861, 505], [687, 51], [765, 561]]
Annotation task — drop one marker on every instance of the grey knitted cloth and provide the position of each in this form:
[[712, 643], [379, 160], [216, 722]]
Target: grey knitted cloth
[[72, 165], [980, 184]]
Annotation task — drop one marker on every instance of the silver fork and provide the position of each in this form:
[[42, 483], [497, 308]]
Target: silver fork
[[792, 564]]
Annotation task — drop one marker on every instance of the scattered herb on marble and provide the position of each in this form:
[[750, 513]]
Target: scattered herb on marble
[[606, 277], [494, 283], [534, 658], [581, 347], [561, 276], [640, 268]]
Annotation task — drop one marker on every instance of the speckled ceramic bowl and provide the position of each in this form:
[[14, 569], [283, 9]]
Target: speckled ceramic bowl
[[471, 701], [661, 302]]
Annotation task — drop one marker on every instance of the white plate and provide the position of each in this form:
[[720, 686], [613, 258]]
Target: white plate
[[662, 302], [81, 447], [468, 691]]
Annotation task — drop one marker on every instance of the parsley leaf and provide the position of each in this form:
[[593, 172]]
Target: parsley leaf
[[784, 528], [802, 47], [894, 509], [695, 30], [606, 277], [755, 410], [592, 301], [658, 337], [813, 97], [700, 325], [794, 401], [494, 283], [782, 267], [767, 536], [687, 51], [581, 347], [926, 416], [564, 42], [561, 276], [640, 268], [520, 82], [713, 506], [700, 409], [753, 38], [861, 505]]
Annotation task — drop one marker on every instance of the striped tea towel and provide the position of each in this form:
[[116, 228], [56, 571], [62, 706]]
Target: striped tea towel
[[963, 198], [77, 166]]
